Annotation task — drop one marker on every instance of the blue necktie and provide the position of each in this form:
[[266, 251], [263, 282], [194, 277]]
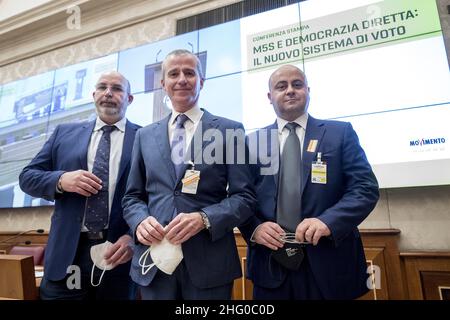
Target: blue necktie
[[178, 144], [97, 212], [289, 195]]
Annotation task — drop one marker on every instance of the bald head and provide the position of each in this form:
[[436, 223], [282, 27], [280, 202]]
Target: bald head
[[112, 96], [116, 74], [286, 68], [288, 92]]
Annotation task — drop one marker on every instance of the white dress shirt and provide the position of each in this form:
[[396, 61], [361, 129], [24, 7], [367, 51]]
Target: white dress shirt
[[299, 130], [194, 115], [115, 154], [283, 133]]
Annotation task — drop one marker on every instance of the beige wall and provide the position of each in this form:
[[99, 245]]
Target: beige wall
[[10, 8], [35, 43]]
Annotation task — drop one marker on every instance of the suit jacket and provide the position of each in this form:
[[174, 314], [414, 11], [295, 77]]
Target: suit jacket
[[210, 256], [66, 150], [350, 194]]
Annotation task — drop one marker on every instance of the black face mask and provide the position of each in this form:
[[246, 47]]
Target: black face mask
[[290, 256]]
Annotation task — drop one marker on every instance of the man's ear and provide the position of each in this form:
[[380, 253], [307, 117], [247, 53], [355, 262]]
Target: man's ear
[[130, 98], [269, 96]]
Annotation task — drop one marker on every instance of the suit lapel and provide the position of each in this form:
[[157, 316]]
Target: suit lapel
[[273, 151], [84, 139], [162, 139], [128, 141], [314, 131]]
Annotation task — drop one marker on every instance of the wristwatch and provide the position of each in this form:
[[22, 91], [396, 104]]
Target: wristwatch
[[205, 219]]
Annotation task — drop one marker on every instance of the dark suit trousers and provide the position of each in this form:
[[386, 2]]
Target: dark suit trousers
[[298, 285], [116, 284], [179, 286]]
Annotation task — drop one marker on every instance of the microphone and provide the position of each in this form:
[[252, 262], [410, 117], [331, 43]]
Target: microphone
[[20, 234]]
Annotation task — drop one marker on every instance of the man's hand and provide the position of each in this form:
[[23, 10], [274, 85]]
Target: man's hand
[[269, 234], [81, 181], [120, 252], [183, 227], [150, 231], [311, 230]]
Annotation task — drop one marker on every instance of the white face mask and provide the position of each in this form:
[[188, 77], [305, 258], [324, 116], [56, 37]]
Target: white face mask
[[98, 258], [166, 257]]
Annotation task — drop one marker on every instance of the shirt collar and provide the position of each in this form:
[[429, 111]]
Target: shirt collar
[[194, 114], [99, 123], [301, 121]]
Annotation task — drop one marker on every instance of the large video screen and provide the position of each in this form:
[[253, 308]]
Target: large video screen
[[380, 65]]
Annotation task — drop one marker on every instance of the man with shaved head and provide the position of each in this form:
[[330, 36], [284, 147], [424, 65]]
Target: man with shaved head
[[304, 240], [84, 167]]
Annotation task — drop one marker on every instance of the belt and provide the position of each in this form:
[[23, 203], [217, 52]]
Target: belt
[[93, 235]]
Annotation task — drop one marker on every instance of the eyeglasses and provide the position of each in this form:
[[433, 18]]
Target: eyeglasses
[[114, 88], [289, 237]]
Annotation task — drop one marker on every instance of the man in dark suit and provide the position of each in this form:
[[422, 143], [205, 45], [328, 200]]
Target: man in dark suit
[[197, 214], [319, 187], [68, 170]]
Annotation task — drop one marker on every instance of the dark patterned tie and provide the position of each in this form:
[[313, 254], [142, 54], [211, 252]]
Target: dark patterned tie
[[289, 196], [97, 212], [178, 144]]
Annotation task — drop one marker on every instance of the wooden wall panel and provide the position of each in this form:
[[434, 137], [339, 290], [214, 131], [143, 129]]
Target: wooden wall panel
[[428, 275], [386, 240], [243, 288], [378, 280]]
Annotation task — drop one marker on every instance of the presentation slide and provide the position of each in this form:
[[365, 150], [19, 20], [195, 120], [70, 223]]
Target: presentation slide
[[380, 65], [141, 110], [27, 99]]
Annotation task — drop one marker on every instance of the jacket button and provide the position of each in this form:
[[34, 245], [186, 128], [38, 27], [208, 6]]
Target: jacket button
[[177, 193]]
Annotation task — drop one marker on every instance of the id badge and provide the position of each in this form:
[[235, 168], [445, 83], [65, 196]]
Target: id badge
[[319, 171], [190, 181]]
